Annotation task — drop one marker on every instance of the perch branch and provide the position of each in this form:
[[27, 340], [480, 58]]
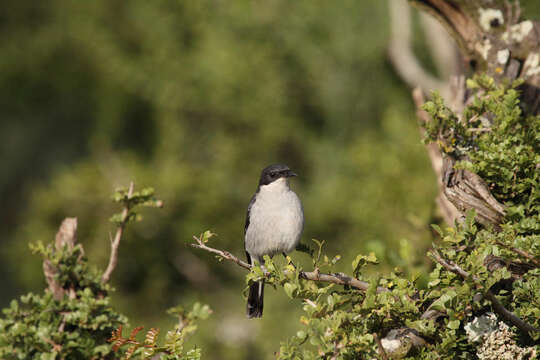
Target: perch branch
[[336, 278], [498, 307], [113, 259]]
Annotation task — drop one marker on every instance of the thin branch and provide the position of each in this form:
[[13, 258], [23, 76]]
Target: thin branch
[[449, 265], [525, 254], [221, 253], [336, 278], [498, 307], [113, 259]]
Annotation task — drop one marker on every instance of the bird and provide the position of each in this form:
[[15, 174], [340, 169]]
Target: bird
[[274, 224]]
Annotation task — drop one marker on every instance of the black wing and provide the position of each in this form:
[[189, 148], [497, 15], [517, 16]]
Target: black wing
[[251, 202]]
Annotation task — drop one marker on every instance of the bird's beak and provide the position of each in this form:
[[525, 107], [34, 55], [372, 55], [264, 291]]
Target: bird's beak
[[291, 173]]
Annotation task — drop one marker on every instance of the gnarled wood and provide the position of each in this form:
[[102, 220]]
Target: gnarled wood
[[66, 236]]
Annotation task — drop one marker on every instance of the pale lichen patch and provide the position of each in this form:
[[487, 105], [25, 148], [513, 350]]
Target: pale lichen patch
[[518, 32], [532, 64], [490, 17], [480, 326], [494, 340], [483, 48], [502, 56], [501, 345]]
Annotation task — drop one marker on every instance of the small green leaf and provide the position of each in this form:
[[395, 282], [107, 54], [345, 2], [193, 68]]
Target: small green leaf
[[289, 289]]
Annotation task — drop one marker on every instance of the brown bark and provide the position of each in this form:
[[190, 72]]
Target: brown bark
[[494, 40], [66, 236]]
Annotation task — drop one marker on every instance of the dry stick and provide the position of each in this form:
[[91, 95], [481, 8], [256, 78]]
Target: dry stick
[[340, 279], [113, 260], [498, 307], [400, 51], [525, 254]]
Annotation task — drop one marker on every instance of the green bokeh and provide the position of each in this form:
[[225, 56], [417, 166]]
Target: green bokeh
[[194, 98]]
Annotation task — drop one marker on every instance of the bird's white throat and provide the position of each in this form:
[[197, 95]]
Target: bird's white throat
[[278, 186]]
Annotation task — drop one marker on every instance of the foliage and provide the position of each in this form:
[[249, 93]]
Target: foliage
[[173, 347], [345, 322], [195, 98], [130, 200], [75, 327], [79, 323]]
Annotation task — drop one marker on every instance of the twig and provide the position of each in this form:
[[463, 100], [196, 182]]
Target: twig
[[525, 254], [498, 307], [337, 278], [223, 254], [449, 265], [56, 347], [113, 259]]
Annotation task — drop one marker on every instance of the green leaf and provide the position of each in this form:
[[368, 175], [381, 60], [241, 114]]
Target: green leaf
[[290, 289], [454, 324]]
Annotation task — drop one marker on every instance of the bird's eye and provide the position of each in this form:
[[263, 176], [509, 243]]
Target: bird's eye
[[273, 174]]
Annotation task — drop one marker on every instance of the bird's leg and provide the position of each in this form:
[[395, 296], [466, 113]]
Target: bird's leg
[[262, 264]]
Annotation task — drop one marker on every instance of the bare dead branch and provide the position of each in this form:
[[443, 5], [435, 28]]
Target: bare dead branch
[[66, 236], [498, 307], [221, 253], [113, 259], [449, 265], [442, 47], [520, 252], [400, 51], [336, 278]]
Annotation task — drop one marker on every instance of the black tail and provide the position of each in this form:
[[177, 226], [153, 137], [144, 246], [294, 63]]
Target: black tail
[[255, 300]]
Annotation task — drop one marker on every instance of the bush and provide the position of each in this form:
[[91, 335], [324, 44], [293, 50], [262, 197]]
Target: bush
[[73, 319]]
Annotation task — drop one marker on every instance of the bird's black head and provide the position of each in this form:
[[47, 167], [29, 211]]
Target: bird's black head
[[274, 172]]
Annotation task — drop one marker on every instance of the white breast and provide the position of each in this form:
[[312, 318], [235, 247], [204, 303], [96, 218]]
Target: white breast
[[276, 221]]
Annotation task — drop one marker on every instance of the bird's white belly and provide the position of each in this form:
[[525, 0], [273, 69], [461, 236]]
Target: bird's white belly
[[276, 224]]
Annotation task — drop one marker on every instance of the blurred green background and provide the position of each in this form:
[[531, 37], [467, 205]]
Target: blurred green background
[[194, 98]]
